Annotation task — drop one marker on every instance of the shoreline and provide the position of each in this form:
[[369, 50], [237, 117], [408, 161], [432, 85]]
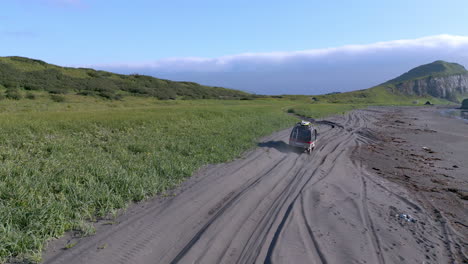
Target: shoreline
[[425, 152]]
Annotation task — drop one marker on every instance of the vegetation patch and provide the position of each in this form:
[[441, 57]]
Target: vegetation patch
[[36, 75], [323, 105], [13, 94], [464, 104], [57, 98], [30, 96]]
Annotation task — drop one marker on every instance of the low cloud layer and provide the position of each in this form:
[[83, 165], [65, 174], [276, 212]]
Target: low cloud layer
[[317, 71]]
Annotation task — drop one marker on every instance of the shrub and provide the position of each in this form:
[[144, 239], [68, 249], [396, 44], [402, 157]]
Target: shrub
[[31, 87], [57, 91], [31, 96], [11, 85], [93, 74], [465, 104], [138, 148], [108, 95], [13, 94], [87, 93], [57, 98]]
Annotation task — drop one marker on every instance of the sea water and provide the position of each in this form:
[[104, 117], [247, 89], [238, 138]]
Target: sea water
[[456, 113]]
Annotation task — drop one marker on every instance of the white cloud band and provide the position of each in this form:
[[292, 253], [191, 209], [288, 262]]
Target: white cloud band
[[309, 71]]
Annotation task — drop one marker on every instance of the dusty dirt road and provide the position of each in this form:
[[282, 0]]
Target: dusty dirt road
[[276, 205]]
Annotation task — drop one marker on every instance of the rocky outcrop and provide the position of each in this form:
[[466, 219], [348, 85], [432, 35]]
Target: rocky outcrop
[[464, 104], [446, 87]]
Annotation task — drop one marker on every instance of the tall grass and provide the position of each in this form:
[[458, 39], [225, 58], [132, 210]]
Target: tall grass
[[379, 95], [324, 105]]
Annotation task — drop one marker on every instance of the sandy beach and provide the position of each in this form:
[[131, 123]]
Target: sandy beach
[[425, 151]]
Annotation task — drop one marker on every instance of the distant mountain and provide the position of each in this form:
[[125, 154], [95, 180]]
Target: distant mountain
[[435, 69], [438, 79], [438, 82], [30, 74]]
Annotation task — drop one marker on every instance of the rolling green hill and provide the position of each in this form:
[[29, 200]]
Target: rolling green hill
[[438, 79], [19, 73], [439, 82], [435, 69], [378, 95]]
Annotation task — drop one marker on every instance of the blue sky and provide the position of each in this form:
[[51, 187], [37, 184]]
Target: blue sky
[[135, 35]]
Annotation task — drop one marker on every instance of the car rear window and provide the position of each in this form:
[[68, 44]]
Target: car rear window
[[304, 134]]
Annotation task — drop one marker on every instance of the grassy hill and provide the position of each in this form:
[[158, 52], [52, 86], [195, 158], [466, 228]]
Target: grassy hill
[[439, 79], [382, 95], [385, 94], [435, 69], [19, 75], [389, 93]]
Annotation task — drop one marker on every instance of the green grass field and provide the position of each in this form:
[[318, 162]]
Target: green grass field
[[325, 105], [64, 164]]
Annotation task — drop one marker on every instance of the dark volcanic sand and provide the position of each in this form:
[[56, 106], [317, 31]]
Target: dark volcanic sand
[[338, 205], [427, 154]]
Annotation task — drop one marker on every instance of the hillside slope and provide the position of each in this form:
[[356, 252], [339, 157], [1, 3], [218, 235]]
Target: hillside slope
[[378, 95], [438, 79], [439, 82], [30, 74]]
